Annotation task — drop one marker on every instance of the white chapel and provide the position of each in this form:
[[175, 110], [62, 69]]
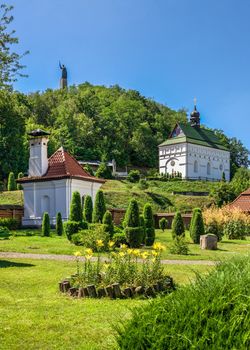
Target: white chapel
[[195, 152], [51, 182]]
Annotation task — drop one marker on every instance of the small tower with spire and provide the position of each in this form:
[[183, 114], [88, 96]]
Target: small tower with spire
[[195, 116]]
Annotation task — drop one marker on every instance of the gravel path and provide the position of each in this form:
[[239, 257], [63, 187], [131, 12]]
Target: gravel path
[[58, 257]]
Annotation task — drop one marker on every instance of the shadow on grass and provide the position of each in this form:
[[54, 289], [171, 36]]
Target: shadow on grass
[[160, 200], [7, 263]]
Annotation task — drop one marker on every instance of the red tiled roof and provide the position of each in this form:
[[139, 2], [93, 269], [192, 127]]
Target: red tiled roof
[[63, 165], [242, 202]]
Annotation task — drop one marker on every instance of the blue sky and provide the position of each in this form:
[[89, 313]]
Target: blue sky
[[170, 50]]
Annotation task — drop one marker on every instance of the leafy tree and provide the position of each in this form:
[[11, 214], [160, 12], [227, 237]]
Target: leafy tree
[[10, 67], [241, 181], [99, 207], [222, 194], [134, 176], [88, 209], [11, 182], [133, 231], [197, 228], [59, 224], [89, 170], [104, 171], [163, 224], [178, 228], [19, 186], [75, 207], [149, 224], [46, 225], [108, 221]]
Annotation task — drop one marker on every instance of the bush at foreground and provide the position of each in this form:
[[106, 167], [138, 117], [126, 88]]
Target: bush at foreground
[[212, 313]]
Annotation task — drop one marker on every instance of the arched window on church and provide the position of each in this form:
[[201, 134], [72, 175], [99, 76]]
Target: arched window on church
[[195, 166], [208, 169], [45, 204]]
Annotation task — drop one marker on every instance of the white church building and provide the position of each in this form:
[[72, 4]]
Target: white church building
[[195, 152], [51, 182]]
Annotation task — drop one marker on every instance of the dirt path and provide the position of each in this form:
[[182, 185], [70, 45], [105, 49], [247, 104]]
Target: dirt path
[[11, 255]]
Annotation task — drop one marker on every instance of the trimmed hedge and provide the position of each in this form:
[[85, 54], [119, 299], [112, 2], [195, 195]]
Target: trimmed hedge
[[197, 229], [76, 207], [108, 221], [59, 224], [134, 236], [178, 228], [70, 227], [99, 207], [149, 225], [11, 182], [88, 209], [46, 225]]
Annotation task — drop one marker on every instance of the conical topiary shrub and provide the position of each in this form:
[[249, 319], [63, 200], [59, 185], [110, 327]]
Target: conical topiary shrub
[[149, 225], [178, 228], [195, 210], [163, 224], [75, 207], [59, 224], [197, 227], [99, 207], [133, 230], [108, 221], [11, 182], [88, 209], [19, 186], [46, 225]]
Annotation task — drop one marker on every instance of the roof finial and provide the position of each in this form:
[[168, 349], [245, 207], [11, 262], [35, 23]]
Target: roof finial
[[195, 102]]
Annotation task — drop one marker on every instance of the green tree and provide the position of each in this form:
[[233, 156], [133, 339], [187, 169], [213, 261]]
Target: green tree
[[149, 225], [178, 228], [88, 209], [108, 221], [133, 231], [163, 224], [11, 182], [103, 171], [19, 186], [59, 224], [222, 194], [192, 219], [241, 181], [89, 170], [75, 207], [10, 67], [46, 225], [99, 207], [197, 226]]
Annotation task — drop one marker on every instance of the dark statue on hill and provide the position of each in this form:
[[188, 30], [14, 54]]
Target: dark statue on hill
[[63, 80]]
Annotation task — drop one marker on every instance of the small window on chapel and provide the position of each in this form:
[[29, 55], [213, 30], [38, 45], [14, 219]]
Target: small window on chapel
[[196, 166]]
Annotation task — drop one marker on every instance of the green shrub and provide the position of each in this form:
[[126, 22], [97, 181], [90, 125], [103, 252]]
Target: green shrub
[[108, 221], [143, 184], [11, 182], [195, 210], [88, 169], [179, 246], [119, 238], [19, 186], [70, 227], [216, 306], [104, 171], [76, 238], [163, 224], [75, 207], [99, 207], [59, 224], [133, 231], [132, 215], [83, 225], [10, 223], [235, 229], [4, 232], [46, 225], [214, 228], [89, 238], [142, 225], [149, 225], [133, 176], [178, 228], [197, 228], [134, 236], [88, 209]]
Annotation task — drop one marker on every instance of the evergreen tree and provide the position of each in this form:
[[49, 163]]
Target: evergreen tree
[[195, 210], [89, 170], [75, 207], [19, 186], [11, 182], [178, 228], [108, 221], [133, 231], [163, 224], [99, 207], [142, 225], [46, 225], [59, 224], [197, 227], [88, 209], [149, 225]]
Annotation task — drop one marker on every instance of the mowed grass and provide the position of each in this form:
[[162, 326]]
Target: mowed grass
[[60, 245], [34, 315], [11, 198]]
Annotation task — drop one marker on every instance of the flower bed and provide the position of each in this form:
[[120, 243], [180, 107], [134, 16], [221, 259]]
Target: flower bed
[[126, 273]]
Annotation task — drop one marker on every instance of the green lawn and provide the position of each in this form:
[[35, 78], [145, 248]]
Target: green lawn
[[60, 245], [34, 315], [11, 197]]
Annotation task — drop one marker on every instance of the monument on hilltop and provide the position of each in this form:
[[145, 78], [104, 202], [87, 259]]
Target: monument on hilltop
[[64, 77]]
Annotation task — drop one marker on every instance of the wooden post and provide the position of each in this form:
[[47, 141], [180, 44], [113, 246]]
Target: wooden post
[[117, 290], [110, 292], [101, 292], [65, 286]]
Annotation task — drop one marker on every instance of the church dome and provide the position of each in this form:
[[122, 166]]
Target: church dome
[[195, 117]]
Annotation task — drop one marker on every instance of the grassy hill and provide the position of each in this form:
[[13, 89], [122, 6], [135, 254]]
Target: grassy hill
[[159, 194]]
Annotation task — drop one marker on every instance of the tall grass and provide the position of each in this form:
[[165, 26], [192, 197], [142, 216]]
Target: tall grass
[[212, 313]]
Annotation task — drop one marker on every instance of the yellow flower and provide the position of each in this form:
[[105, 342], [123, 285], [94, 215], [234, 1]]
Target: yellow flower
[[153, 260], [77, 254], [99, 243], [111, 244], [88, 257], [122, 254], [123, 246], [130, 251], [155, 253], [158, 246], [144, 255], [136, 252], [89, 251]]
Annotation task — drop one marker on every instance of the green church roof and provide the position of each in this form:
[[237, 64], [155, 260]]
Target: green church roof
[[196, 135]]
